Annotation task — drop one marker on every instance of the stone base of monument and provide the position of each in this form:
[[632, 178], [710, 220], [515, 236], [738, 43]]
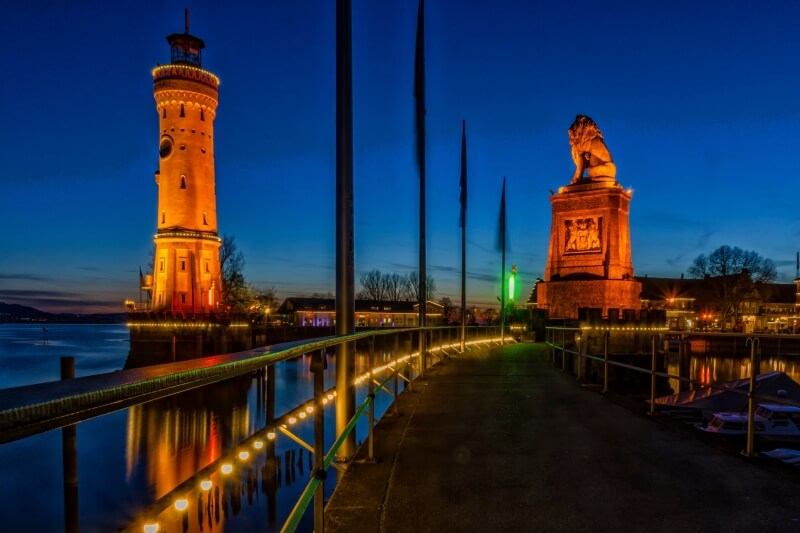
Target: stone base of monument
[[565, 298]]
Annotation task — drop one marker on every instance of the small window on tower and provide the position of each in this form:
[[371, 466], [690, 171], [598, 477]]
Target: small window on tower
[[183, 298], [163, 217], [161, 266], [205, 223], [164, 113], [202, 116], [207, 270], [183, 265], [182, 113], [183, 182]]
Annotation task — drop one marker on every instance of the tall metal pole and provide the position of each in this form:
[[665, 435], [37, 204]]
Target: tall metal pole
[[419, 93], [503, 264], [318, 369], [345, 292], [463, 233]]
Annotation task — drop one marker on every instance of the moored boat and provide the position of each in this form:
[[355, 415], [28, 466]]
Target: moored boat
[[772, 421]]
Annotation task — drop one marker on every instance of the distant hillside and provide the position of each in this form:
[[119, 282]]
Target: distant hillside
[[20, 313]]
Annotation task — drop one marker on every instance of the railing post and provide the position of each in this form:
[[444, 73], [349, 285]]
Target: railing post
[[396, 371], [69, 449], [653, 375], [371, 436], [579, 357], [755, 364], [318, 369], [605, 362], [563, 350]]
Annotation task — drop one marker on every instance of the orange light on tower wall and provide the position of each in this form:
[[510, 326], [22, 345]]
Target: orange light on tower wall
[[188, 277]]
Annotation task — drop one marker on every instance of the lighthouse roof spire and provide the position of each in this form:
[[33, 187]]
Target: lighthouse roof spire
[[185, 48]]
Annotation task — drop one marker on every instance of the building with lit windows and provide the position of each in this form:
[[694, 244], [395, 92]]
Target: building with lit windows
[[690, 305], [368, 313]]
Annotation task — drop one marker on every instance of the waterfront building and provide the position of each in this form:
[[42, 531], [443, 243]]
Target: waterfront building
[[369, 313], [186, 277], [690, 304]]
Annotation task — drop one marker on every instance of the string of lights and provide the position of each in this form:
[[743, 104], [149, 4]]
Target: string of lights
[[242, 454]]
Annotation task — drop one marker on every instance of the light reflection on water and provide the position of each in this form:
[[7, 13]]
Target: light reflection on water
[[131, 458], [712, 365]]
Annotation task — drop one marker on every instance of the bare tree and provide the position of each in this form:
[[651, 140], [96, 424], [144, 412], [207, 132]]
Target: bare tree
[[410, 290], [450, 313], [732, 274], [329, 295], [372, 286], [262, 302], [393, 287], [234, 287]]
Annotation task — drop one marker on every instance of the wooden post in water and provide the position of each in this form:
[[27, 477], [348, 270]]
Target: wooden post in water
[[653, 375], [755, 368], [69, 448]]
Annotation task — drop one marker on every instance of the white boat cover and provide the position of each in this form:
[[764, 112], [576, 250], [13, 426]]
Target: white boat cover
[[713, 399]]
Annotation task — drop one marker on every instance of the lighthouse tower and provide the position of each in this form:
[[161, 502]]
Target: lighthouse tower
[[186, 269]]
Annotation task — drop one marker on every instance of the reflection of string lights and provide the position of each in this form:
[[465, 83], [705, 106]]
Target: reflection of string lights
[[625, 328], [183, 325], [300, 412]]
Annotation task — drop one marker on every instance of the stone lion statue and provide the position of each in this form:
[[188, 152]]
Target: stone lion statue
[[589, 151]]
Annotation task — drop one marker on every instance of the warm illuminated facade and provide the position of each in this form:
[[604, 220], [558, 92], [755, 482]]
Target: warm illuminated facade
[[368, 313], [589, 261], [186, 277]]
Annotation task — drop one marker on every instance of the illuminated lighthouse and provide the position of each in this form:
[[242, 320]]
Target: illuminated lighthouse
[[186, 269]]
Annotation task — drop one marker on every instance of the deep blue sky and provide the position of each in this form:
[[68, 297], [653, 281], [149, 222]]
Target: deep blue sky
[[698, 103]]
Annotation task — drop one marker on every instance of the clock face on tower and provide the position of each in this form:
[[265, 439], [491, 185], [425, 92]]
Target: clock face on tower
[[165, 148]]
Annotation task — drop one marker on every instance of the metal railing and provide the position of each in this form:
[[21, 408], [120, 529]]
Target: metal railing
[[571, 342], [66, 403]]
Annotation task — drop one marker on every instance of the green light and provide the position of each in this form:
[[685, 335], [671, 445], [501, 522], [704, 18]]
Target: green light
[[511, 282]]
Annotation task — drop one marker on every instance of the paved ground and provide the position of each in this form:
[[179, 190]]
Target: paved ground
[[502, 441]]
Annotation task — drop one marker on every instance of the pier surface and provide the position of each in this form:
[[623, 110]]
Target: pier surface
[[502, 441]]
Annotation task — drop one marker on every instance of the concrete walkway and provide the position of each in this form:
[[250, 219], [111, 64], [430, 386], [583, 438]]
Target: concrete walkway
[[502, 441]]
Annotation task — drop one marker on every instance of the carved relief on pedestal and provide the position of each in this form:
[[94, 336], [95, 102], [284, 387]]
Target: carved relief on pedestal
[[582, 234]]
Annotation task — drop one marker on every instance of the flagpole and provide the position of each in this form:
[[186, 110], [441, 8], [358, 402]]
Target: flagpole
[[419, 93], [503, 263], [345, 297], [463, 234]]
